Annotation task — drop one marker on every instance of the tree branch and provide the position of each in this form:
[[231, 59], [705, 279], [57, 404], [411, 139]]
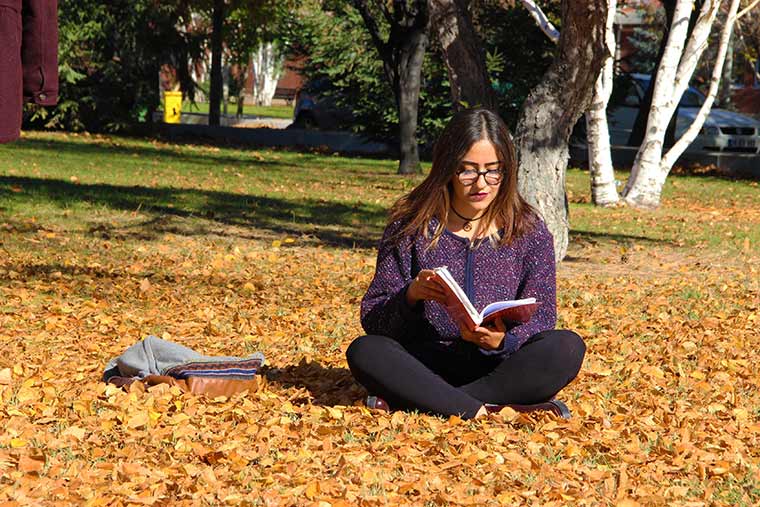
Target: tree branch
[[747, 9], [542, 21]]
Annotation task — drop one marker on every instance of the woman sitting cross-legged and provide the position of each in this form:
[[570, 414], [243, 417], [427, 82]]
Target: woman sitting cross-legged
[[468, 216]]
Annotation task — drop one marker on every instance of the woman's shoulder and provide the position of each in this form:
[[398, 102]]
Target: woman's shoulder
[[535, 233]]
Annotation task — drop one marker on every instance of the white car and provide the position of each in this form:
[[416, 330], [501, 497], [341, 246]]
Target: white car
[[723, 131]]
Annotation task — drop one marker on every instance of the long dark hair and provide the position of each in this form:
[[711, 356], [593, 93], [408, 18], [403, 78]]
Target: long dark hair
[[432, 197]]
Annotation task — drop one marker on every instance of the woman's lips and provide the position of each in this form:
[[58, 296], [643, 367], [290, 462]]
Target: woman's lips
[[478, 197]]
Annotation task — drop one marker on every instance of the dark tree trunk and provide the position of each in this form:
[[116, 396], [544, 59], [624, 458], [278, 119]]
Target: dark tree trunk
[[402, 55], [411, 55], [551, 110], [463, 55], [215, 94]]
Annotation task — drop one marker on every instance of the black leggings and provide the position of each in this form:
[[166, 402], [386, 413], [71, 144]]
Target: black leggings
[[416, 376]]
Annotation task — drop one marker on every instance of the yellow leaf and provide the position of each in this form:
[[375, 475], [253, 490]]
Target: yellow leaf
[[312, 490], [137, 421], [276, 243], [5, 376], [18, 442]]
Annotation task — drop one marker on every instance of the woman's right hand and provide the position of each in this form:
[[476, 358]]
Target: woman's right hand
[[425, 287]]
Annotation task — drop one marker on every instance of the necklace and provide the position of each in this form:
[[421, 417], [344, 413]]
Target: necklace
[[467, 225]]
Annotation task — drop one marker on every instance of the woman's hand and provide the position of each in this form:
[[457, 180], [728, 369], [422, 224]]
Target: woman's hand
[[485, 337], [423, 287]]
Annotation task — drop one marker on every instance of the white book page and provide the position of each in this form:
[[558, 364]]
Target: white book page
[[500, 305], [445, 275]]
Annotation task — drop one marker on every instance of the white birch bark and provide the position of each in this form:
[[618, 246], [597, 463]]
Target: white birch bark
[[645, 176], [601, 172], [542, 21], [725, 37], [267, 68]]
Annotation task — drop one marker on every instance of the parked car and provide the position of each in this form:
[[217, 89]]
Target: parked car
[[316, 110], [723, 131]]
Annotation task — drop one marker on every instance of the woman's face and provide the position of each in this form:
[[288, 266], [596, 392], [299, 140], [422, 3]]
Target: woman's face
[[473, 194]]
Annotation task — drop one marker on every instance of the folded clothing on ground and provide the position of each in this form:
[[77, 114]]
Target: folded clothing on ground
[[155, 361]]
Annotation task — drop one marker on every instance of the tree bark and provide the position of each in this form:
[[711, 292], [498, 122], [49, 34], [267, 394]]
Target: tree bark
[[723, 47], [463, 55], [637, 132], [402, 55], [649, 171], [411, 55], [215, 94], [551, 110], [601, 172]]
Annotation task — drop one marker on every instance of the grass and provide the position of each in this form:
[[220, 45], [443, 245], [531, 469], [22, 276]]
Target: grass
[[274, 111], [227, 250]]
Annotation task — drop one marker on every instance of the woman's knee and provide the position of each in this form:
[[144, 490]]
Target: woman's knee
[[567, 347], [367, 348]]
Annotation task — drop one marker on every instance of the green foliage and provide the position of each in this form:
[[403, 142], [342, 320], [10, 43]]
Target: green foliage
[[344, 67], [109, 58], [517, 57]]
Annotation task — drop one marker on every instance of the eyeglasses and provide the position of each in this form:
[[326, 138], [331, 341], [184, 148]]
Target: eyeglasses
[[468, 177]]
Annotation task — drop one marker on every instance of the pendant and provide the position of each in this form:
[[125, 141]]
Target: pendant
[[467, 227]]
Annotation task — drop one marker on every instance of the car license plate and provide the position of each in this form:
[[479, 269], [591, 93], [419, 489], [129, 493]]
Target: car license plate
[[742, 143]]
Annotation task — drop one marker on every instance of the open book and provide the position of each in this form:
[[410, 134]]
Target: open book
[[461, 309]]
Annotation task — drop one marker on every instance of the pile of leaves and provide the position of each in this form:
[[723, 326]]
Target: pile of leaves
[[666, 409]]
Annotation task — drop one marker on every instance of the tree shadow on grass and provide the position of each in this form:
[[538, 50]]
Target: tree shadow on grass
[[327, 386], [163, 153], [330, 223]]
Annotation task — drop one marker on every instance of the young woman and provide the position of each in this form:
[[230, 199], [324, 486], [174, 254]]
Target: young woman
[[468, 216]]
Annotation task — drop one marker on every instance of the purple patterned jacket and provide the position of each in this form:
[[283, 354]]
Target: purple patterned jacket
[[522, 269]]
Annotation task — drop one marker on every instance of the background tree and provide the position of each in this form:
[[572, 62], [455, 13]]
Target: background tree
[[463, 54], [553, 107], [402, 52], [674, 71], [110, 55]]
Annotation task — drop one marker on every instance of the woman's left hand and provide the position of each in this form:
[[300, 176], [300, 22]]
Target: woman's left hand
[[485, 337]]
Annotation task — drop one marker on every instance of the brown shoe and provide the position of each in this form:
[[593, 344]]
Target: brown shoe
[[557, 407], [377, 403]]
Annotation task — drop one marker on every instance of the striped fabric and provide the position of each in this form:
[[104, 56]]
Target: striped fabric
[[242, 370]]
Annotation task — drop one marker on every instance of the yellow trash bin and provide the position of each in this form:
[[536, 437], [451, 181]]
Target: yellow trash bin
[[172, 107]]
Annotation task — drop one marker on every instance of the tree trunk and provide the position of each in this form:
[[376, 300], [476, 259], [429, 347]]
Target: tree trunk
[[601, 172], [402, 55], [551, 110], [723, 47], [267, 65], [648, 174], [215, 94], [637, 132], [411, 55], [463, 55]]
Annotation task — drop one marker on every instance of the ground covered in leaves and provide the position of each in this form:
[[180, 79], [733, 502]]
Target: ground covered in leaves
[[234, 251]]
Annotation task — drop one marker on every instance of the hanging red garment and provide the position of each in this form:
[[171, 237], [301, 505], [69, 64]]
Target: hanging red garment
[[28, 59]]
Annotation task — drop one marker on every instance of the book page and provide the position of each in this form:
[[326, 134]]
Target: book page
[[445, 276], [501, 305]]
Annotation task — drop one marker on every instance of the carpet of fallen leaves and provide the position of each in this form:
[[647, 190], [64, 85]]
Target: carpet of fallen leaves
[[666, 410]]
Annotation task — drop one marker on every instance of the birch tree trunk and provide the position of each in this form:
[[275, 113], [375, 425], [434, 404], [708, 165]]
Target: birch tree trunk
[[644, 186], [551, 110], [725, 38], [601, 172], [463, 55], [267, 68]]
